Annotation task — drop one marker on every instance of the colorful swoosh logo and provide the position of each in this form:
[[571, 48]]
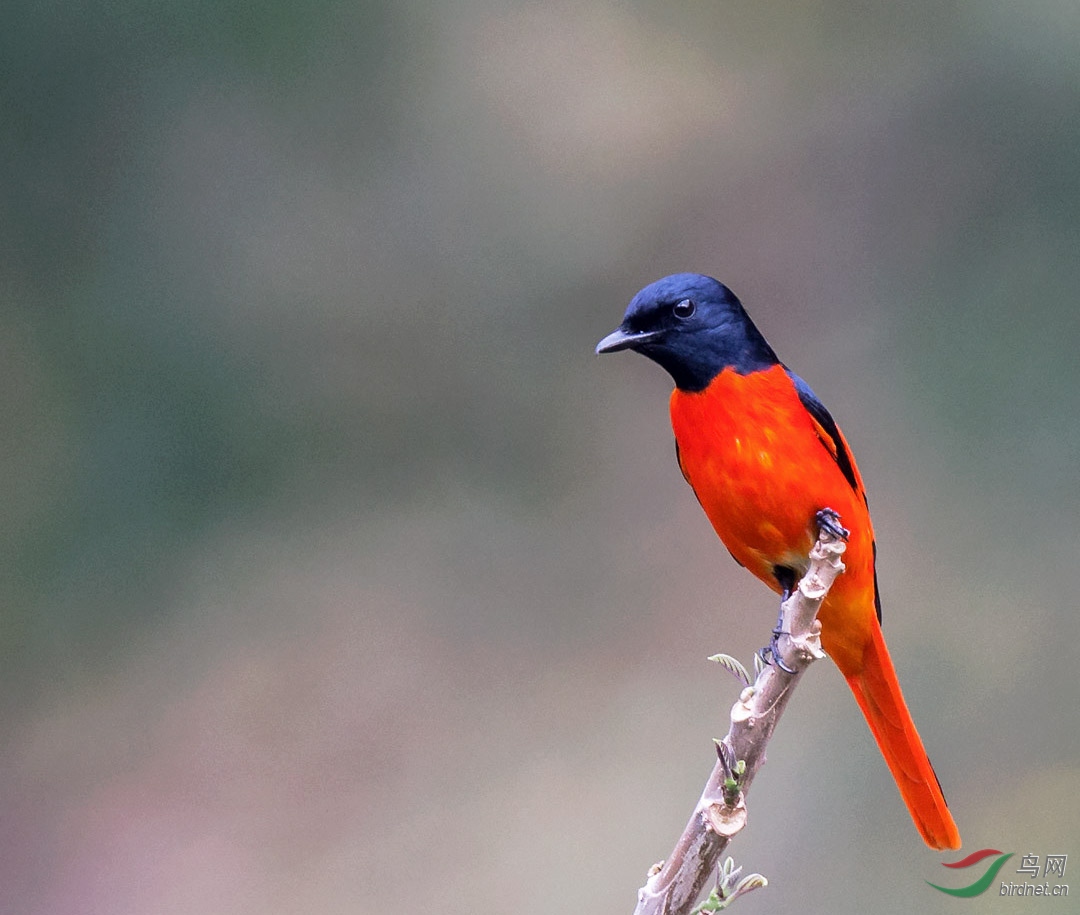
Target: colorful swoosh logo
[[983, 883]]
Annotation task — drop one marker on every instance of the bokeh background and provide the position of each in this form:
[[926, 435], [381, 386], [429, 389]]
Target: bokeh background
[[341, 577]]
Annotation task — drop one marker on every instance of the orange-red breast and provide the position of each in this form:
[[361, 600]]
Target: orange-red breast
[[764, 456]]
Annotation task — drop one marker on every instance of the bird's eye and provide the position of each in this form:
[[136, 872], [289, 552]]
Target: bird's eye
[[684, 309]]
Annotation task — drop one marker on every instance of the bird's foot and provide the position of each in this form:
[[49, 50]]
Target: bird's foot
[[829, 521], [770, 654]]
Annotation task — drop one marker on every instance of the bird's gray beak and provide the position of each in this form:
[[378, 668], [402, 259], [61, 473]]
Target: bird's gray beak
[[624, 339]]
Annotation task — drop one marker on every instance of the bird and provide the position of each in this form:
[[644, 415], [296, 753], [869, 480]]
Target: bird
[[769, 466]]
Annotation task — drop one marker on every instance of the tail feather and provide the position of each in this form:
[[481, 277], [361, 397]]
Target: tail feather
[[877, 691]]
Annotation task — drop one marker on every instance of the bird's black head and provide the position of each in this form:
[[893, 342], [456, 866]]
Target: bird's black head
[[694, 327]]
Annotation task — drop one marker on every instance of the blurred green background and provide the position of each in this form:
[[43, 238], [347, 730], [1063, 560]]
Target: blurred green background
[[341, 577]]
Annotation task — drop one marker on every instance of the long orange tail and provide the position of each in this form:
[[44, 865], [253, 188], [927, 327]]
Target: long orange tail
[[877, 691]]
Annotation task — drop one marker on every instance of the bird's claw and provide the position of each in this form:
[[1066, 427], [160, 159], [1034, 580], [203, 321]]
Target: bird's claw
[[829, 521], [770, 655]]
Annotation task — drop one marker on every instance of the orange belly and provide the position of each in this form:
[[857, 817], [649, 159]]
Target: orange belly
[[761, 467]]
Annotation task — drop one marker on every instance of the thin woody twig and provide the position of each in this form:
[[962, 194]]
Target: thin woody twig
[[675, 885]]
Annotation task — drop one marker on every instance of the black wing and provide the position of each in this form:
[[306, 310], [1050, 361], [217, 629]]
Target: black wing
[[838, 448], [836, 444]]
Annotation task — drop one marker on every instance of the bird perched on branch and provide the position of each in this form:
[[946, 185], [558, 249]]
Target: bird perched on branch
[[769, 465]]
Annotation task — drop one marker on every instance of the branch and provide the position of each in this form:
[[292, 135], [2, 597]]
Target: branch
[[674, 885]]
